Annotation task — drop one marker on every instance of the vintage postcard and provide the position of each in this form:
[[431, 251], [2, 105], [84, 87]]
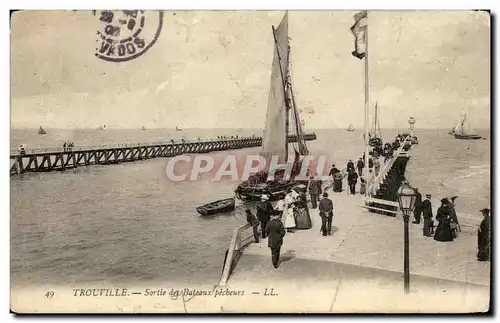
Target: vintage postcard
[[250, 161]]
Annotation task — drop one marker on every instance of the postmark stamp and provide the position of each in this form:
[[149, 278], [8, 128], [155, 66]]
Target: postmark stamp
[[124, 35]]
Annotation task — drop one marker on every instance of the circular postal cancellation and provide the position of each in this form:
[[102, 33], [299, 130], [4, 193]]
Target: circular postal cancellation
[[124, 35]]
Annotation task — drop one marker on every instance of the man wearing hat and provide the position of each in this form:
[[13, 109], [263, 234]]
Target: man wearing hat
[[417, 212], [484, 237], [264, 211], [275, 231], [427, 214], [326, 213], [314, 191]]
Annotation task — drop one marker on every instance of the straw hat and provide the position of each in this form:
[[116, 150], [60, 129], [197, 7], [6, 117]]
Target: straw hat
[[264, 198]]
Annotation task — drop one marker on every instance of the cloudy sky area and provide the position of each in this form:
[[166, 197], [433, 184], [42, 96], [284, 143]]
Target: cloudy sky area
[[212, 69]]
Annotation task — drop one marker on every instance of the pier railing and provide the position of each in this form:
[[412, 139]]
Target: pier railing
[[242, 237], [63, 158], [375, 180]]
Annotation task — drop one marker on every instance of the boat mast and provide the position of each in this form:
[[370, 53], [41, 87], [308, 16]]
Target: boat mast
[[283, 81]]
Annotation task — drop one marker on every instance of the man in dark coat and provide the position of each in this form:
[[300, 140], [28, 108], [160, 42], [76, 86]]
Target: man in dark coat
[[276, 231], [263, 214], [314, 191], [352, 179], [417, 212], [427, 213], [484, 237], [350, 165], [326, 213], [252, 219], [360, 166]]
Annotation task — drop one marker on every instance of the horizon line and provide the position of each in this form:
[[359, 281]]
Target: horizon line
[[202, 128]]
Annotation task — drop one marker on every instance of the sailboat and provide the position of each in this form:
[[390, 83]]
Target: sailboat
[[275, 140], [177, 128], [375, 134], [350, 128], [143, 128], [460, 130], [41, 131]]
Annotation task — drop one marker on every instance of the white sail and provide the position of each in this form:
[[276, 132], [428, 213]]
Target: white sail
[[460, 127], [274, 139]]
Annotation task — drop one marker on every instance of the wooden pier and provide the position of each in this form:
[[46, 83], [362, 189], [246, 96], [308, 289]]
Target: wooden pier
[[382, 187], [57, 159]]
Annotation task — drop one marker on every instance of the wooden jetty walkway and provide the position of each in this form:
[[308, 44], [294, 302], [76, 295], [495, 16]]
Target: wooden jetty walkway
[[57, 159]]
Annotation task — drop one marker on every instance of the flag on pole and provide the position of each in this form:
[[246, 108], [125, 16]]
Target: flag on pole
[[359, 32]]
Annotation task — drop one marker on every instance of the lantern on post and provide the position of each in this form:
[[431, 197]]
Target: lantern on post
[[407, 197], [411, 122]]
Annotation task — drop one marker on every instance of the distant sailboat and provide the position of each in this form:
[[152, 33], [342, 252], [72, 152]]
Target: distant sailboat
[[41, 131], [460, 130], [177, 128], [350, 128], [101, 127], [143, 128]]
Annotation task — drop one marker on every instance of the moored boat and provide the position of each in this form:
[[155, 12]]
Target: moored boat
[[350, 128], [220, 206]]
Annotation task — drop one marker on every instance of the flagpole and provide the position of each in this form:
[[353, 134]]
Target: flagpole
[[367, 104]]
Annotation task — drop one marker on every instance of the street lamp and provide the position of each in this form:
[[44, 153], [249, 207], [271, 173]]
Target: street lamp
[[411, 122], [406, 197]]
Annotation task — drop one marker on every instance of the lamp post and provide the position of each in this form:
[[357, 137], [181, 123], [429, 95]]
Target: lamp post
[[411, 122], [406, 197]]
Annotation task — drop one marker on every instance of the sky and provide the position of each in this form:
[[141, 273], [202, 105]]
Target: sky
[[211, 69]]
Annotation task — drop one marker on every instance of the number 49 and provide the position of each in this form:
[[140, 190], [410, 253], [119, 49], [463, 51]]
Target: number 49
[[49, 294]]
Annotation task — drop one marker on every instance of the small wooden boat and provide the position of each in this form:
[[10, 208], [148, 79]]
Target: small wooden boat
[[41, 131], [221, 206]]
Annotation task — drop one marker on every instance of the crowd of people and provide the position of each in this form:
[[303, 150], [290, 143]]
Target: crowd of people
[[68, 146], [292, 212]]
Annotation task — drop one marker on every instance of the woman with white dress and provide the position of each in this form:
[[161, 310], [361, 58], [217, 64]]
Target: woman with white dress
[[288, 211]]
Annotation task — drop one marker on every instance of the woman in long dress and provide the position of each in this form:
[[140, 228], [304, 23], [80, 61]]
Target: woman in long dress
[[443, 230], [484, 237], [303, 219], [288, 211]]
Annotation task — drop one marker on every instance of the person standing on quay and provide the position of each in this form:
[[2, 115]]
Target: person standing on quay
[[275, 231], [352, 179], [427, 213], [484, 237], [263, 214], [350, 165], [417, 212], [314, 191], [326, 213], [360, 165], [443, 231]]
